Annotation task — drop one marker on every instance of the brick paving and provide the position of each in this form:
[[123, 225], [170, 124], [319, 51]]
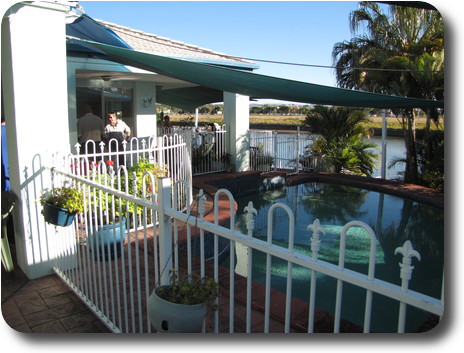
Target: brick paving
[[45, 305]]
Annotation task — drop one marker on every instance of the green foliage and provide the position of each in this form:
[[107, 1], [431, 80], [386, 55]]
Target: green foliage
[[66, 197], [337, 122], [189, 290], [140, 169], [351, 156], [432, 163], [342, 143], [401, 52], [114, 207]]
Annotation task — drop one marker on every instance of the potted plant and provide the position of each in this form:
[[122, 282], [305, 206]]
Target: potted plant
[[181, 306], [61, 205], [110, 233], [109, 225], [111, 214]]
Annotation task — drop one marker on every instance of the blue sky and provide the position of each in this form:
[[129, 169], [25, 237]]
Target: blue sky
[[288, 31]]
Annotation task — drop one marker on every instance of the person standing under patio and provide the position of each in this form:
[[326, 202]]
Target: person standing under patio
[[167, 122], [116, 130], [89, 128]]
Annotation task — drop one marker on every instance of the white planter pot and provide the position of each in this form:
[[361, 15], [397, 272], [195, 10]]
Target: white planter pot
[[167, 317], [106, 237]]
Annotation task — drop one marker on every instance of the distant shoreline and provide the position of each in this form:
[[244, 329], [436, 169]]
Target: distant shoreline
[[293, 128]]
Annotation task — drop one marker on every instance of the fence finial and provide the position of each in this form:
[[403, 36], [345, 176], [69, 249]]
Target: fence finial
[[408, 253], [201, 203], [250, 212], [315, 240]]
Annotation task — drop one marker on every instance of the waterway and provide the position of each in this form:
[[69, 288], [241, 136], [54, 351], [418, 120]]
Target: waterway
[[395, 150]]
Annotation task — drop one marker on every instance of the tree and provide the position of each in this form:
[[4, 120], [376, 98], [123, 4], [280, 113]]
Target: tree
[[342, 139], [400, 54]]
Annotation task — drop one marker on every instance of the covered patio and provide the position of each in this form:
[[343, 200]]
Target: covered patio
[[200, 84]]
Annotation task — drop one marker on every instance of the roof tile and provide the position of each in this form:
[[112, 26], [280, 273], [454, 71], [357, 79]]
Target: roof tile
[[154, 44]]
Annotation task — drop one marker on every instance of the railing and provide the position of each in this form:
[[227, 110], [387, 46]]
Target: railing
[[115, 164], [208, 147], [290, 152], [116, 285]]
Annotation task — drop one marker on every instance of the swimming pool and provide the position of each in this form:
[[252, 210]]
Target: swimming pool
[[393, 219]]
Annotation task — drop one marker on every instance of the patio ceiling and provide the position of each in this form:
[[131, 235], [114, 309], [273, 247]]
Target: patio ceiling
[[214, 80]]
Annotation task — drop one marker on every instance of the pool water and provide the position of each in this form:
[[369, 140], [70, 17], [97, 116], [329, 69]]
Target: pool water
[[393, 219]]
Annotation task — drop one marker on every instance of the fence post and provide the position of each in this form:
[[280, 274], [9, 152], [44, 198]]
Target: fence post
[[317, 230], [274, 138], [408, 252], [297, 150], [165, 243], [251, 212]]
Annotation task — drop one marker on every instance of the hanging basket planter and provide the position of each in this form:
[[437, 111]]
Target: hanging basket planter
[[60, 205], [57, 216]]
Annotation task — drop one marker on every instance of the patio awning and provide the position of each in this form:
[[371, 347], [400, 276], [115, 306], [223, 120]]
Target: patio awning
[[86, 27], [214, 80]]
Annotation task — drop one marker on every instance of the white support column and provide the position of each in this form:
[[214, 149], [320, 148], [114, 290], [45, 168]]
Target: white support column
[[165, 229], [145, 109], [237, 119], [33, 54]]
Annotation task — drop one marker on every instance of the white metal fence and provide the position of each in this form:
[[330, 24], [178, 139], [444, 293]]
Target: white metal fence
[[124, 167], [207, 147], [116, 279], [290, 152]]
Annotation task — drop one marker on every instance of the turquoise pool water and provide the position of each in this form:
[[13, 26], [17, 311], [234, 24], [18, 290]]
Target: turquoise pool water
[[393, 219]]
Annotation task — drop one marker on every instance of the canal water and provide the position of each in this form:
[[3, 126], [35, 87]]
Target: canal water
[[395, 150]]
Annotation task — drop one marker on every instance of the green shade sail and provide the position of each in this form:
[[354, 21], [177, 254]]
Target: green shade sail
[[214, 80]]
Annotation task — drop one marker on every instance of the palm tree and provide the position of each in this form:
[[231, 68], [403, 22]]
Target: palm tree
[[400, 54], [342, 139]]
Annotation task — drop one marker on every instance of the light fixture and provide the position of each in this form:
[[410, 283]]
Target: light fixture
[[106, 77]]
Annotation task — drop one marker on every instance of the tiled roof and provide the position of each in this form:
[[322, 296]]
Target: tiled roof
[[154, 44]]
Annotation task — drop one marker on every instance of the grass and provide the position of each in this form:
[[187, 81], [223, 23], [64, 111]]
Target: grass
[[294, 120]]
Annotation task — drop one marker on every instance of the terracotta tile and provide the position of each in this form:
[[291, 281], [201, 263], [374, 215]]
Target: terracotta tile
[[57, 300], [9, 307], [24, 328], [51, 314], [240, 320], [30, 303], [39, 283], [77, 301], [76, 320], [14, 319], [276, 327], [53, 291], [49, 327], [101, 327], [89, 327]]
